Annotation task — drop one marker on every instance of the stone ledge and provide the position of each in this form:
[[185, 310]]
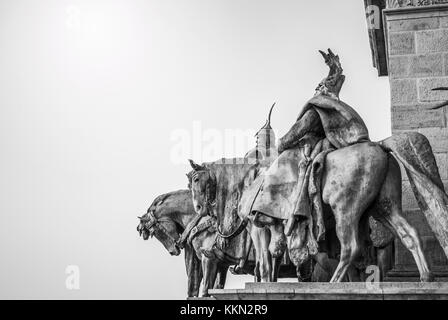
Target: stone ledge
[[433, 10], [406, 272], [414, 24], [412, 14], [336, 291]]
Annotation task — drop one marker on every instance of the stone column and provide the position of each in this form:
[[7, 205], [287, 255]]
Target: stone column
[[417, 55]]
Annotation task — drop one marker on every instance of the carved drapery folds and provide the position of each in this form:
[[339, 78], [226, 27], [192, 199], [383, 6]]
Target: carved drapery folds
[[413, 3]]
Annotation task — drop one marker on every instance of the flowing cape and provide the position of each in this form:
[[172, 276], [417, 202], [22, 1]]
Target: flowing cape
[[414, 152], [283, 190], [342, 125]]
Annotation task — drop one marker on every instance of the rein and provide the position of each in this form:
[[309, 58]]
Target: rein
[[154, 223], [243, 223], [210, 193]]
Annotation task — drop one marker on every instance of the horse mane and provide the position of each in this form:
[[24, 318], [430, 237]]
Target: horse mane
[[163, 197], [231, 177]]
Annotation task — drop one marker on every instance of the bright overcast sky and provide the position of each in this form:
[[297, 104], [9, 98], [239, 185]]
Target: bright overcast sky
[[102, 102]]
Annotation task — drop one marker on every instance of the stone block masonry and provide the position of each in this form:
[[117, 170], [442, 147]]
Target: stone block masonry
[[417, 55], [334, 291]]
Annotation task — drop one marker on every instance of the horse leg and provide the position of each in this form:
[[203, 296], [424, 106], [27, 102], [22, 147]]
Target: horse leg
[[265, 255], [389, 212], [209, 267], [277, 247], [221, 276], [410, 239], [384, 259], [353, 274], [194, 271], [347, 232], [258, 239], [257, 247], [276, 263], [347, 215], [257, 274], [352, 180]]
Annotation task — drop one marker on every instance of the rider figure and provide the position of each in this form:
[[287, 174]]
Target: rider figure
[[324, 124], [309, 124], [265, 150]]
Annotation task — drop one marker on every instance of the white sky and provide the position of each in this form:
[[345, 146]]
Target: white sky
[[91, 95]]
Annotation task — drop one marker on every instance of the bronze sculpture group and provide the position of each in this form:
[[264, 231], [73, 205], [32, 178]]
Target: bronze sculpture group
[[313, 198]]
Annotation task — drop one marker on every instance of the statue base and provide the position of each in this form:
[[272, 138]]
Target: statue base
[[335, 291]]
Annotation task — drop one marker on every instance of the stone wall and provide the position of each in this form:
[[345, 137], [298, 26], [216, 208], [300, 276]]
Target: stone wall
[[417, 52]]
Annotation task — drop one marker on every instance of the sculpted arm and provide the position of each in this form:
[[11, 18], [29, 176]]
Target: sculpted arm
[[310, 121], [332, 84]]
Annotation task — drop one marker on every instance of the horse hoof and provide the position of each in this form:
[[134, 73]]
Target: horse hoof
[[427, 277]]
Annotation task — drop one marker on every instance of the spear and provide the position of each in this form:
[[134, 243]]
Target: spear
[[441, 104]]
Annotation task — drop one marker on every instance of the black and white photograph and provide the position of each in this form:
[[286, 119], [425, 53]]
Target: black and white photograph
[[213, 151]]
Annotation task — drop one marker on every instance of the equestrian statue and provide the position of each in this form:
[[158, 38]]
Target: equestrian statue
[[315, 201], [328, 173]]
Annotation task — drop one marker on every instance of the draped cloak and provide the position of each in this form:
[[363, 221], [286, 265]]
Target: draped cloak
[[291, 185]]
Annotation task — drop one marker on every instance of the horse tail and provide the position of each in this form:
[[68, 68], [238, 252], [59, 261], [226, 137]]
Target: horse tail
[[414, 152]]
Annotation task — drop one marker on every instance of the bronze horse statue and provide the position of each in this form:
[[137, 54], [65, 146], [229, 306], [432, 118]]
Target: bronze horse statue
[[167, 218], [362, 179], [216, 189], [327, 159]]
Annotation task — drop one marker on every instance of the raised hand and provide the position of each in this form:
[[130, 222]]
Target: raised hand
[[332, 84]]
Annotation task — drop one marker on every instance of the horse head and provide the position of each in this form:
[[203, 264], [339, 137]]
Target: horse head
[[202, 184], [216, 189], [158, 221]]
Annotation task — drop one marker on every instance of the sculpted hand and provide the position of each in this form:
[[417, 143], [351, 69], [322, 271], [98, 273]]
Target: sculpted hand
[[333, 63], [332, 84]]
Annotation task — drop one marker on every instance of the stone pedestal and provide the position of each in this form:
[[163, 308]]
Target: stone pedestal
[[416, 39], [335, 291]]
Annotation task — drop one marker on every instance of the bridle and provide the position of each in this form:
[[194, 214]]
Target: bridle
[[210, 193], [210, 189], [151, 222], [243, 223]]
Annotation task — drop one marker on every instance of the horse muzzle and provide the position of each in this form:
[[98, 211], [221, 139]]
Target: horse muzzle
[[174, 250], [143, 232]]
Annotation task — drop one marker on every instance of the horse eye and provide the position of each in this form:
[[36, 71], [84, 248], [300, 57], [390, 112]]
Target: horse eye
[[196, 180]]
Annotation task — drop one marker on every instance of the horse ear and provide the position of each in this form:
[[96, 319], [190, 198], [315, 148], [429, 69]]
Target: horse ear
[[194, 165]]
